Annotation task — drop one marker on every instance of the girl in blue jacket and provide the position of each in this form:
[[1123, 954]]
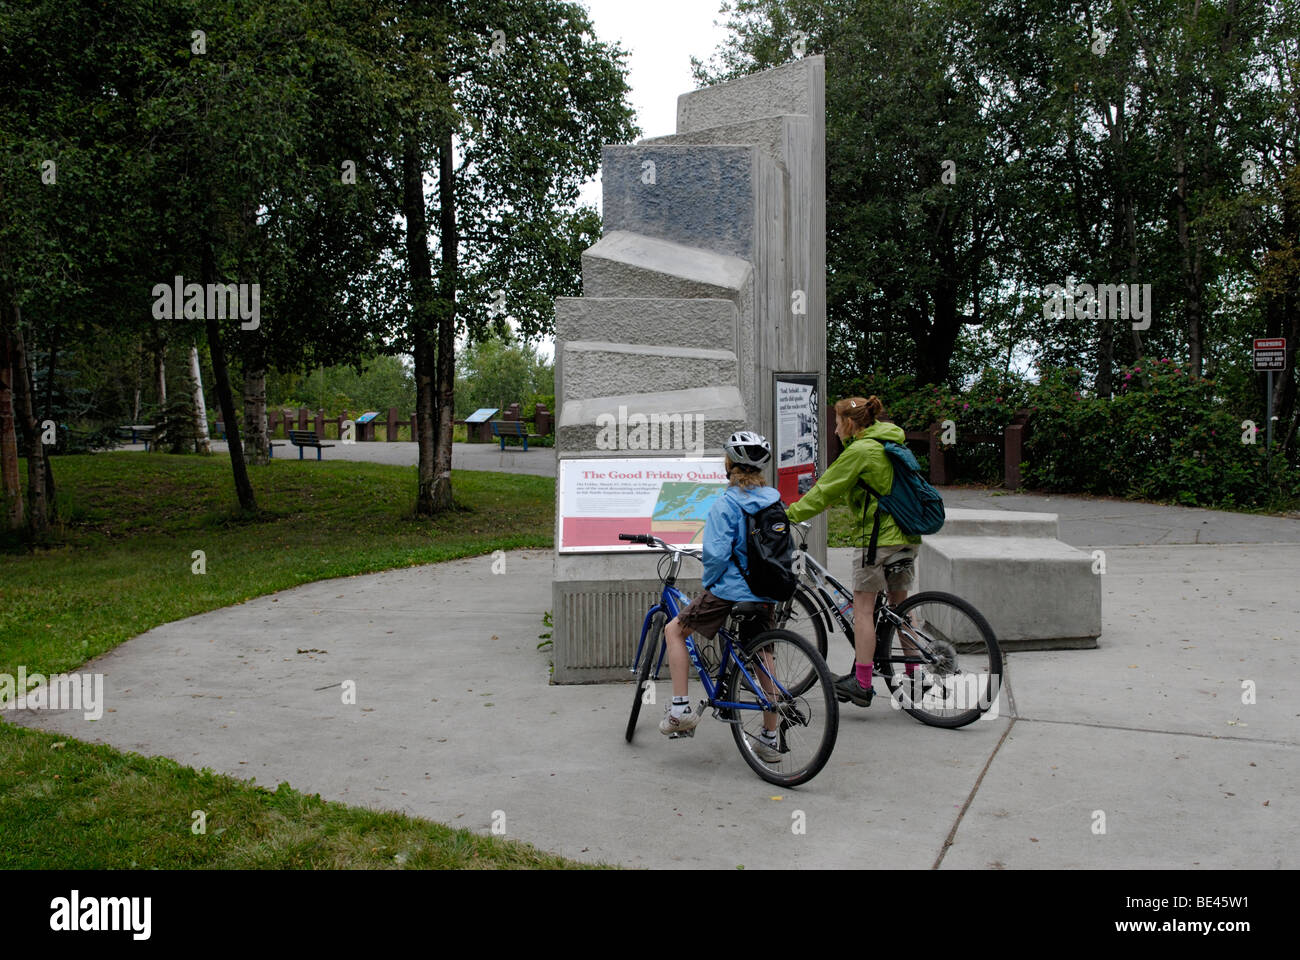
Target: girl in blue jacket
[[724, 583]]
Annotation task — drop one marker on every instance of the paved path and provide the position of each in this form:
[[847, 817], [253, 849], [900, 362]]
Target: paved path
[[539, 461], [1085, 521], [455, 720]]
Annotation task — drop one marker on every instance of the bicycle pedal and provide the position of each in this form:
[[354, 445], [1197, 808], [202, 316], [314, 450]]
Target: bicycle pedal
[[680, 734]]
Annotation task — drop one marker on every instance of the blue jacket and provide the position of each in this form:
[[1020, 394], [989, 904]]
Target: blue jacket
[[724, 532]]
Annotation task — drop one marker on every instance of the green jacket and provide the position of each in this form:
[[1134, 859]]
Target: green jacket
[[840, 483]]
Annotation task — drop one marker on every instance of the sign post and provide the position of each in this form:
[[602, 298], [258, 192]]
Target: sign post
[[1270, 355]]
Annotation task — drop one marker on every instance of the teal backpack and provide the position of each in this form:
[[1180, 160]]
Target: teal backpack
[[915, 505]]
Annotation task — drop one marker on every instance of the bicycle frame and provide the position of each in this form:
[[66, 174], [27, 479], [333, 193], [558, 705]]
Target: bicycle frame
[[671, 602], [816, 578]]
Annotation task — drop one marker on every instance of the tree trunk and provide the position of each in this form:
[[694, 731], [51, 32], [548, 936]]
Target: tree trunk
[[420, 274], [1190, 260], [226, 399], [160, 373], [139, 379], [202, 443], [38, 519], [256, 440], [446, 375], [1105, 357], [11, 491]]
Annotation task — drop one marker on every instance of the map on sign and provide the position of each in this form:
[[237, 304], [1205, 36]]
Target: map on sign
[[681, 510], [367, 417], [668, 497], [481, 415]]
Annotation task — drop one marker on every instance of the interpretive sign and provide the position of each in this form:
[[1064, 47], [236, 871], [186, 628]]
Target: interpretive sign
[[668, 497], [797, 406]]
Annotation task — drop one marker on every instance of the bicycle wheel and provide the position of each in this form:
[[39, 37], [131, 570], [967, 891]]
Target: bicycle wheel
[[654, 639], [807, 723], [805, 619], [958, 665]]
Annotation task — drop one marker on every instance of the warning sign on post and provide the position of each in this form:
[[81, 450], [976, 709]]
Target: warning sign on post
[[1270, 354]]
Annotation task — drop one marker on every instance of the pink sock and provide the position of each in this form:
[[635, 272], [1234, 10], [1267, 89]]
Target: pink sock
[[909, 669], [863, 671]]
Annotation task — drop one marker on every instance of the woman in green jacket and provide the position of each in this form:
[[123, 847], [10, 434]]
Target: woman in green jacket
[[857, 425]]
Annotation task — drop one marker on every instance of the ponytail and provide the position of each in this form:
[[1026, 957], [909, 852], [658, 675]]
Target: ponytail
[[861, 412]]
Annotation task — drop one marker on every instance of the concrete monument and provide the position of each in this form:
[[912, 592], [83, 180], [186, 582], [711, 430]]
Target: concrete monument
[[708, 283]]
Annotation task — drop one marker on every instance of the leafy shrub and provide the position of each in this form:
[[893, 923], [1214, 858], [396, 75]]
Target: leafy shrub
[[1165, 435]]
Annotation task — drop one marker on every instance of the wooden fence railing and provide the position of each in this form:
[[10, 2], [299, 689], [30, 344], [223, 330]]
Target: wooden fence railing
[[1012, 440]]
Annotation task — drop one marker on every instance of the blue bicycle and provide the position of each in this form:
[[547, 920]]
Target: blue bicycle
[[761, 679]]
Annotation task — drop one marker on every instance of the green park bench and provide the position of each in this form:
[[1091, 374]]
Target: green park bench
[[511, 428], [136, 431], [301, 439]]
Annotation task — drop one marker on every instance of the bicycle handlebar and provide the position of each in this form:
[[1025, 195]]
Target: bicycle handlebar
[[651, 541]]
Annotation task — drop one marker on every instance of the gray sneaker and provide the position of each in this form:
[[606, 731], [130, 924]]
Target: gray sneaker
[[765, 749], [848, 689], [685, 724]]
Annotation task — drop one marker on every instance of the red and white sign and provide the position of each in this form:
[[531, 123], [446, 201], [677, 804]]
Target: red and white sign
[[668, 497], [1270, 354], [797, 424]]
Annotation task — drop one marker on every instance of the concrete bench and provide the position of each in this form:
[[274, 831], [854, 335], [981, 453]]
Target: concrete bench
[[1037, 592]]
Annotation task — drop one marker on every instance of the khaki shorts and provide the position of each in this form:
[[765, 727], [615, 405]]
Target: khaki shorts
[[704, 615], [872, 579]]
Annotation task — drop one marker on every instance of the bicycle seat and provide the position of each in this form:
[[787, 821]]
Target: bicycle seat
[[749, 609]]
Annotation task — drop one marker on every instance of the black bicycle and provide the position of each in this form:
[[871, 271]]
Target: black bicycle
[[955, 661]]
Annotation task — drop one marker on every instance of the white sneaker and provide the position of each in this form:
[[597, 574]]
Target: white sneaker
[[766, 749], [686, 723]]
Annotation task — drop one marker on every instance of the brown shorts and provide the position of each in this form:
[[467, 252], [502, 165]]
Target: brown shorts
[[872, 579], [704, 615]]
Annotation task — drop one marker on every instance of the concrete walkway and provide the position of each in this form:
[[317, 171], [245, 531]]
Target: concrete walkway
[[538, 461], [454, 720]]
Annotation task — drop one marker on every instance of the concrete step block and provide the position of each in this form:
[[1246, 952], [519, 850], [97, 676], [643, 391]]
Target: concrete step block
[[717, 411], [999, 523], [767, 133], [651, 320], [1037, 593], [599, 608], [794, 88], [623, 264], [604, 369], [701, 195]]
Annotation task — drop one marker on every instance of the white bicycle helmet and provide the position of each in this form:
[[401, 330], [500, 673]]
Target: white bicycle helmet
[[748, 449]]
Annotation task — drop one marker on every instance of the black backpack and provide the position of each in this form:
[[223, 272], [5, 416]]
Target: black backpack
[[769, 549]]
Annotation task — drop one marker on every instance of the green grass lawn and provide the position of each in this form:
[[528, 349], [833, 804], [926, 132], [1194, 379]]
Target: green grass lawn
[[124, 565], [134, 520], [65, 804]]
